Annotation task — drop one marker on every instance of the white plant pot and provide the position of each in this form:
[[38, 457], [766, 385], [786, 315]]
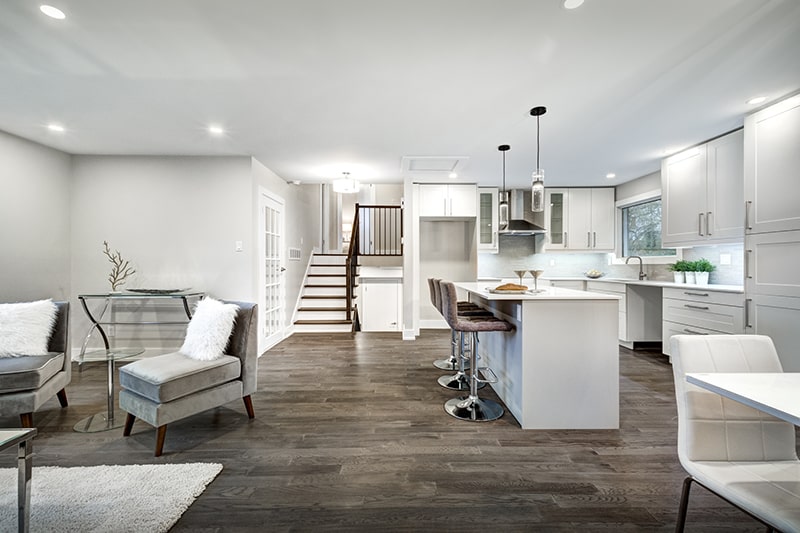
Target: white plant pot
[[690, 279], [678, 277], [701, 278]]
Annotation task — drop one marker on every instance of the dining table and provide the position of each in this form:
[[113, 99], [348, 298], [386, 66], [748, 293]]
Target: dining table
[[774, 393]]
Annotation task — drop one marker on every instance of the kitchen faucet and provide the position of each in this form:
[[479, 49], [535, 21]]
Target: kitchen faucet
[[642, 275]]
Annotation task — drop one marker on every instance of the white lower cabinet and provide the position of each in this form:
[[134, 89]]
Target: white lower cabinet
[[614, 289], [701, 312], [574, 284], [779, 318], [381, 305]]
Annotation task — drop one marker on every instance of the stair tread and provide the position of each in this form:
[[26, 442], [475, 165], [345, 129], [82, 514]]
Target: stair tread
[[342, 309], [323, 322], [327, 275], [325, 297]]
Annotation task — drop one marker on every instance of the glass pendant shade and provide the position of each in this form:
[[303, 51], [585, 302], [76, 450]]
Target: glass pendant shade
[[537, 191], [502, 212]]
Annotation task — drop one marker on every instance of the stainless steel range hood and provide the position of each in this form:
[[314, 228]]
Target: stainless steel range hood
[[521, 220]]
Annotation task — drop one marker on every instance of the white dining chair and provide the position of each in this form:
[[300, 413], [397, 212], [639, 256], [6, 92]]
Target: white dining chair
[[747, 457]]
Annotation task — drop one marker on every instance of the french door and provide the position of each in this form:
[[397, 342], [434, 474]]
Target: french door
[[271, 284]]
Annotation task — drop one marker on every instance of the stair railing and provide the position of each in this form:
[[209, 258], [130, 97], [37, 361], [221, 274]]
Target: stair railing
[[377, 231]]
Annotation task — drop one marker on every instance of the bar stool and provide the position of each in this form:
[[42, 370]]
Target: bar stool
[[472, 407], [458, 345], [464, 308]]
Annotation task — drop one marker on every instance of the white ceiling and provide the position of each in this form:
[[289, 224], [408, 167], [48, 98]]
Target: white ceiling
[[312, 88]]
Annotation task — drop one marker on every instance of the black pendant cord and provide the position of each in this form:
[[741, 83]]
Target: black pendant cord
[[537, 142], [504, 174]]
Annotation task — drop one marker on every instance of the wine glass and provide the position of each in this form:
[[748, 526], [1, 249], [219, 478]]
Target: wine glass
[[520, 273], [536, 274]]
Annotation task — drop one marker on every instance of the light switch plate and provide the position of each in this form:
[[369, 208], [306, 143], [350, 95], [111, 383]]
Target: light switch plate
[[238, 246], [724, 259]]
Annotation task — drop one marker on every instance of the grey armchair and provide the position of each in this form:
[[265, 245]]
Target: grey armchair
[[169, 387], [27, 382]]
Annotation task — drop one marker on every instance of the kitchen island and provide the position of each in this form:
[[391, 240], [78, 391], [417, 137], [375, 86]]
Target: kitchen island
[[559, 369]]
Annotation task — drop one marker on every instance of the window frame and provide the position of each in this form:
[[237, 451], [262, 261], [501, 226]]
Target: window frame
[[617, 257]]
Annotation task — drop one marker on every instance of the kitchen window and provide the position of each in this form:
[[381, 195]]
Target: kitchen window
[[641, 230]]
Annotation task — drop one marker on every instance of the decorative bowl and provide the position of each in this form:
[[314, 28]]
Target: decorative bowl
[[594, 274]]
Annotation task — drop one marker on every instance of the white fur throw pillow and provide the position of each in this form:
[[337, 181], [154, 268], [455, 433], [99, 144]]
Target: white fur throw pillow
[[208, 330], [25, 327]]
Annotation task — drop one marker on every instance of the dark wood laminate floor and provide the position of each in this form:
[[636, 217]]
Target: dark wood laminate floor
[[350, 435]]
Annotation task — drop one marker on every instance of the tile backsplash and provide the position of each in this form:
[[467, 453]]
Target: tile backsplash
[[520, 253]]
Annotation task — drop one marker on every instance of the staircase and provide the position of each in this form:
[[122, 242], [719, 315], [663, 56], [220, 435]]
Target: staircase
[[323, 304]]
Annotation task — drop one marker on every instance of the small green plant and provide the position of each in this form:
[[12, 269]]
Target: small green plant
[[680, 266], [703, 265]]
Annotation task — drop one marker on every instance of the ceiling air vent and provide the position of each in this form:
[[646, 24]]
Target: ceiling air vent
[[433, 166]]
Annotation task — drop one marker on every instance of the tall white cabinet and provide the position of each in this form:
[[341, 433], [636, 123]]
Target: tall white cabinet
[[488, 220], [772, 227], [580, 219], [702, 193]]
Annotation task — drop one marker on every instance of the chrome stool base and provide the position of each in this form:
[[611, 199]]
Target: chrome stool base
[[449, 364], [459, 381], [474, 409]]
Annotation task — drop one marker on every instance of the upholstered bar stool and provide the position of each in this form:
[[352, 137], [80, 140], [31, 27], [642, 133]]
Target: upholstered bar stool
[[465, 309], [472, 407], [459, 347]]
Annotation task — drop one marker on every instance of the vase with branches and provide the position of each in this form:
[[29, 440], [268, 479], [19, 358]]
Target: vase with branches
[[121, 268]]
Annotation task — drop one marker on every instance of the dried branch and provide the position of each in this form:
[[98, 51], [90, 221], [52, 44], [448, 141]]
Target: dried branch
[[121, 269]]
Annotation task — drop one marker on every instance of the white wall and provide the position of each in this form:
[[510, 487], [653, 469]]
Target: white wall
[[645, 184], [34, 221], [176, 219]]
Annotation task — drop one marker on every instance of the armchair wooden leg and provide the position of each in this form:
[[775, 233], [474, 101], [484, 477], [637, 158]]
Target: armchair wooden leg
[[128, 425], [248, 404], [62, 397], [26, 420], [161, 434]]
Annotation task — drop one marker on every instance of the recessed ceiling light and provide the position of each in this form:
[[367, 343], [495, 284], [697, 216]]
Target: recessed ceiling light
[[52, 12], [452, 175], [55, 127], [757, 100], [215, 130], [611, 175], [572, 4]]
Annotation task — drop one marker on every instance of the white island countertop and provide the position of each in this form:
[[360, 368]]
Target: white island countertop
[[481, 288]]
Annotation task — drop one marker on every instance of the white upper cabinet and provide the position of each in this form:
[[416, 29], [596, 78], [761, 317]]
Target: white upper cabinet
[[580, 219], [448, 200], [488, 219], [702, 193], [772, 167]]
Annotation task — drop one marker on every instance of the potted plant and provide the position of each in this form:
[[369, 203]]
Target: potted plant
[[689, 271], [702, 268], [678, 268]]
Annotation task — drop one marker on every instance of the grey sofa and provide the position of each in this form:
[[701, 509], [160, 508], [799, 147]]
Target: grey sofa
[[27, 382], [169, 387]]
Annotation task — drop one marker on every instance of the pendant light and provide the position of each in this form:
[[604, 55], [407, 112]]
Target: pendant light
[[502, 212], [537, 177]]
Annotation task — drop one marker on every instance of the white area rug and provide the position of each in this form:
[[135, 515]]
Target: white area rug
[[106, 498]]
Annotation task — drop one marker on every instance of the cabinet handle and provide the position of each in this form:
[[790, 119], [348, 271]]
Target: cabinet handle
[[701, 307], [445, 205], [693, 332], [747, 264], [747, 205], [451, 207], [700, 224], [695, 293], [566, 242], [588, 239], [594, 235], [708, 223], [747, 323]]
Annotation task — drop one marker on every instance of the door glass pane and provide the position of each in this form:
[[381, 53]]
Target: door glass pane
[[556, 226], [486, 211]]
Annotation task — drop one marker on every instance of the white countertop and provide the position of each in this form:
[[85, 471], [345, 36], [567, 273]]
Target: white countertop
[[655, 283], [481, 288]]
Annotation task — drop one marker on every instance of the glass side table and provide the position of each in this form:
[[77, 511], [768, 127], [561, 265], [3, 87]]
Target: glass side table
[[110, 297], [105, 420], [23, 438]]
